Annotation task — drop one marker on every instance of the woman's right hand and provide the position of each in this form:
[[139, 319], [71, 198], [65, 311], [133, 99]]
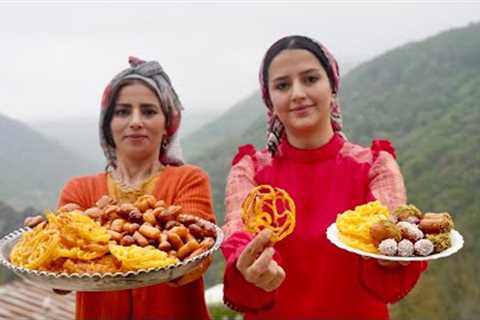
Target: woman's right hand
[[33, 221], [257, 265]]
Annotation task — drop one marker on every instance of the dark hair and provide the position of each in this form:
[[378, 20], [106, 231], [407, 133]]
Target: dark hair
[[107, 120], [297, 42]]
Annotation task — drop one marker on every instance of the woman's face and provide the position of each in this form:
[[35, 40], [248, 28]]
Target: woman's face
[[138, 123], [300, 92]]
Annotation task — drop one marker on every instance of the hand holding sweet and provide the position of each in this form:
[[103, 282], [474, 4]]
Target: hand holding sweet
[[257, 265]]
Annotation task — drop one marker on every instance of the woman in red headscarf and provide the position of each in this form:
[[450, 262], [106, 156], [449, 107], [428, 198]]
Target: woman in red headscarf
[[138, 130], [304, 276]]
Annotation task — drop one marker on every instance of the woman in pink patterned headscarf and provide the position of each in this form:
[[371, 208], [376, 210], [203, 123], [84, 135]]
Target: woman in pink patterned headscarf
[[304, 276]]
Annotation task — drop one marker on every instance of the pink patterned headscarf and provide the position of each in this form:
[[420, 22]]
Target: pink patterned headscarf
[[152, 74], [276, 130]]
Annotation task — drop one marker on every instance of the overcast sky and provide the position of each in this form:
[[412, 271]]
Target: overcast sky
[[56, 59]]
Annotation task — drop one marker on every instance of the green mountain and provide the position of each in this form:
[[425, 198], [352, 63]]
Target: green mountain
[[80, 135], [34, 168], [424, 97], [228, 126]]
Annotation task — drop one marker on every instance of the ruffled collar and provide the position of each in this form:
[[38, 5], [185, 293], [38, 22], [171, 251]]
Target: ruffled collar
[[326, 151]]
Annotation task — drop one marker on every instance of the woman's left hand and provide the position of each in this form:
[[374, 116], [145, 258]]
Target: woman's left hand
[[389, 264], [392, 264], [193, 275]]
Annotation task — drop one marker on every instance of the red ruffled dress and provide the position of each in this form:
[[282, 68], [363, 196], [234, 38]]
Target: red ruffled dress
[[322, 281]]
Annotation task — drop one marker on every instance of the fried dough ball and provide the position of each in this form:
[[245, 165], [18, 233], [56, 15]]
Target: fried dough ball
[[410, 231], [94, 213], [436, 223], [384, 229], [104, 201], [145, 202], [69, 207]]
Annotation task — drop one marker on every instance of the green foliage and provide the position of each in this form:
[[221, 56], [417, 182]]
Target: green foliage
[[221, 312], [424, 97]]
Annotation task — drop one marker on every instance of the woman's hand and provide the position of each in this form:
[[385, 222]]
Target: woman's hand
[[33, 221], [392, 264], [257, 266], [389, 264], [193, 275]]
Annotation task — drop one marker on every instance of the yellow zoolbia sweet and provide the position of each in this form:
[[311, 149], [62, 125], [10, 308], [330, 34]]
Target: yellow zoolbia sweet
[[354, 225], [135, 257]]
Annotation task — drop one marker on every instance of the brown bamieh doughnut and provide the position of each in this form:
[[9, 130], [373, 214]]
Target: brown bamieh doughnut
[[436, 223]]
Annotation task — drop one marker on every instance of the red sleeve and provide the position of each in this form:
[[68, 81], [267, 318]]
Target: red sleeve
[[386, 185], [390, 285], [239, 183], [385, 181], [239, 294]]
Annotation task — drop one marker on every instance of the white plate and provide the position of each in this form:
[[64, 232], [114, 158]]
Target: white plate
[[102, 281], [455, 237]]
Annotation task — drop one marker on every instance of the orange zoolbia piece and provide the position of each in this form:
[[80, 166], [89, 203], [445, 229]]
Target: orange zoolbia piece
[[266, 207]]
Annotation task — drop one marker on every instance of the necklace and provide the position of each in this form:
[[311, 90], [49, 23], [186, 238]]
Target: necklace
[[138, 186], [124, 193]]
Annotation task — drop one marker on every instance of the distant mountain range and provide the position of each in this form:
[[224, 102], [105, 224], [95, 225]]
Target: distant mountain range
[[223, 128], [425, 98], [33, 167], [80, 135]]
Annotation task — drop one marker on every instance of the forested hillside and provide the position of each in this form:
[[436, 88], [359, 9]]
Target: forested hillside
[[34, 168], [228, 126]]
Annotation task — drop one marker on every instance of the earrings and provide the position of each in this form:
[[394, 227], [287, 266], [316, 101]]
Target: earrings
[[332, 102], [164, 143]]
